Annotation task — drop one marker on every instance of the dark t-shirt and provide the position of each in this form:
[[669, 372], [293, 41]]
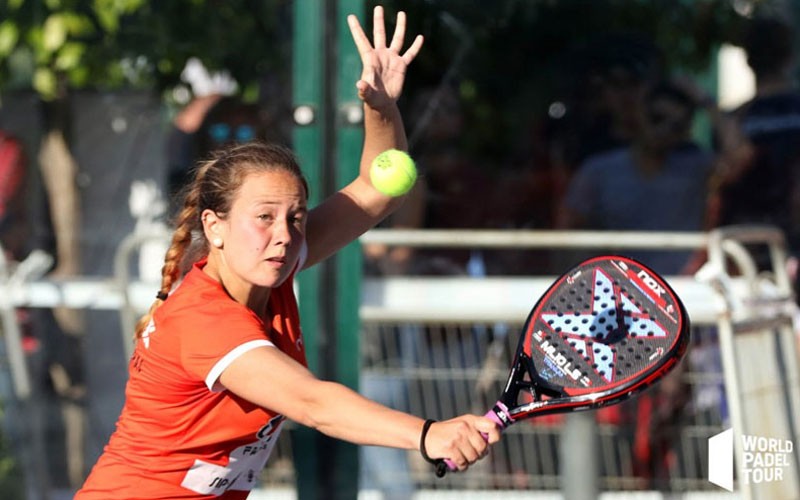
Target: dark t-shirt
[[611, 192], [767, 192]]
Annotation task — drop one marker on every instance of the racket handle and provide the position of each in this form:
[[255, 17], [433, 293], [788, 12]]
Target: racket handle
[[499, 415]]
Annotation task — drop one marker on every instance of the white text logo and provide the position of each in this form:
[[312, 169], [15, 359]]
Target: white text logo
[[764, 460]]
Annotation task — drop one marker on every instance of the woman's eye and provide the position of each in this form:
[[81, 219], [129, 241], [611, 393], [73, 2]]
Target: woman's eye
[[265, 217]]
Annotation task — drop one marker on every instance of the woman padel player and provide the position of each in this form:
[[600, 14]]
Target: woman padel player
[[219, 361]]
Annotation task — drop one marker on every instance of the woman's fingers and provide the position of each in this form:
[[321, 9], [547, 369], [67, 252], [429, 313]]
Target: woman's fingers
[[413, 50], [462, 440], [399, 32], [359, 37], [489, 429], [378, 28]]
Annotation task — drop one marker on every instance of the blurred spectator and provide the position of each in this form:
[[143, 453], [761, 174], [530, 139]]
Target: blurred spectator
[[208, 123], [13, 224], [53, 355], [607, 79], [759, 182], [659, 183], [215, 117]]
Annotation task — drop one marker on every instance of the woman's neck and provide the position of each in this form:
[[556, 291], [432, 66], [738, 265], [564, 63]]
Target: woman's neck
[[254, 297]]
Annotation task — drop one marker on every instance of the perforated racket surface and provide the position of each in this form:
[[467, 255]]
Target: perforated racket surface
[[605, 330]]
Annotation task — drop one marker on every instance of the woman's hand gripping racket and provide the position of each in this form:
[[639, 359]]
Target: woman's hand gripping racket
[[602, 332]]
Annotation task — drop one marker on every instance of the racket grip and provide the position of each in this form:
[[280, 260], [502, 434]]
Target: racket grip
[[499, 415]]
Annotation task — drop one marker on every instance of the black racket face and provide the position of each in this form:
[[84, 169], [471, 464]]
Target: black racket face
[[601, 332]]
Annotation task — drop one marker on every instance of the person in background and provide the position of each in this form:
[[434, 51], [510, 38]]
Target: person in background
[[219, 361], [659, 183], [758, 182], [13, 226], [607, 78], [216, 116]]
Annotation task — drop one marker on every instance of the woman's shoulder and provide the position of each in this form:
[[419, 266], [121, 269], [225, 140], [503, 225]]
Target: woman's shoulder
[[200, 298]]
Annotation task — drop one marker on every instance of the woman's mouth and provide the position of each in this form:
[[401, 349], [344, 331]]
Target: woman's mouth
[[278, 261]]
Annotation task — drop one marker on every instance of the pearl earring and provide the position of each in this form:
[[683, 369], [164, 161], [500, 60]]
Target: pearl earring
[[217, 242]]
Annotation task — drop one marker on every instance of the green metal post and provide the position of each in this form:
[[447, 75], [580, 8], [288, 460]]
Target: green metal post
[[708, 80], [308, 139], [349, 138]]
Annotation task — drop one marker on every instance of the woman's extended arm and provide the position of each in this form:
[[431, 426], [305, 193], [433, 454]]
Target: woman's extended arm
[[269, 378]]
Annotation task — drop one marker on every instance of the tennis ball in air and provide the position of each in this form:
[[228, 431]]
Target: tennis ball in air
[[393, 172]]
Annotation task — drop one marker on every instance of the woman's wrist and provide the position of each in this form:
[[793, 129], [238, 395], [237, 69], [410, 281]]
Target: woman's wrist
[[423, 435]]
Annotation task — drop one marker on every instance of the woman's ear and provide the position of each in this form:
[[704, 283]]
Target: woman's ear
[[212, 227]]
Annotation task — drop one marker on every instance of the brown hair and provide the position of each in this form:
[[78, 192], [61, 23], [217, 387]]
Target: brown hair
[[215, 184]]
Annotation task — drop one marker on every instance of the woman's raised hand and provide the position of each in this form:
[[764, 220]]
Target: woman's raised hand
[[384, 68]]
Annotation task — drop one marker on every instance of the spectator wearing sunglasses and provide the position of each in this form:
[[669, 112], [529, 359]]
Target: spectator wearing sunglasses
[[658, 183], [212, 121]]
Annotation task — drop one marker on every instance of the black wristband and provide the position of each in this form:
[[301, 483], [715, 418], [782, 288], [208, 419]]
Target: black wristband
[[422, 449]]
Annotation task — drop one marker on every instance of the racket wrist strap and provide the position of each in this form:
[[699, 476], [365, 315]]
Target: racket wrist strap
[[425, 427]]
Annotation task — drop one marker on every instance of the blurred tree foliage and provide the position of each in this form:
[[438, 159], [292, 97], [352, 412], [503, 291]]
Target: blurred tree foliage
[[510, 59], [55, 45], [58, 45], [513, 50]]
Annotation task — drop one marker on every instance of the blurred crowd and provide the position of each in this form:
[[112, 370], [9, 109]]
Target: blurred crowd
[[623, 153]]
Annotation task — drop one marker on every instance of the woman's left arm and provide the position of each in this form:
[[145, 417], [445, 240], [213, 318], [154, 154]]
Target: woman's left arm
[[358, 206]]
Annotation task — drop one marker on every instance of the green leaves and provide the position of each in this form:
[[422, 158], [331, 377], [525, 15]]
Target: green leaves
[[39, 48], [9, 34], [110, 12], [69, 56], [53, 46], [54, 33], [45, 82]]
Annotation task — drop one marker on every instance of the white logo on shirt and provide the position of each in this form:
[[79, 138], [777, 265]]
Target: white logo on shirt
[[244, 465], [150, 328]]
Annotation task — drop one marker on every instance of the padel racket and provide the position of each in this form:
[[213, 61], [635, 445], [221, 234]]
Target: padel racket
[[605, 330]]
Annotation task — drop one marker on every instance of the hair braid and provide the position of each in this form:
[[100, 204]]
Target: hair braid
[[187, 222]]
